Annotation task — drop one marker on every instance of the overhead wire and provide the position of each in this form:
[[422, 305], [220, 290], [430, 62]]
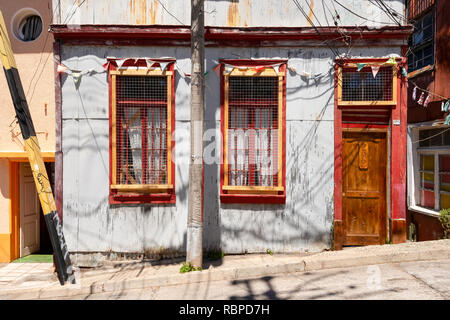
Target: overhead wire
[[335, 51]]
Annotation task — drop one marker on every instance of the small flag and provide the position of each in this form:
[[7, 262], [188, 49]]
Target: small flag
[[360, 66], [403, 71], [149, 63], [120, 63], [427, 100], [391, 61], [414, 93], [228, 68], [163, 65], [375, 70], [260, 68], [76, 75], [61, 68], [422, 96], [106, 65], [217, 70]]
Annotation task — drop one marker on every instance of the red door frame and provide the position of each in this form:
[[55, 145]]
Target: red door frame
[[397, 159]]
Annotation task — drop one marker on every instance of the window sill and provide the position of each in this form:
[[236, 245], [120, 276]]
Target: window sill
[[142, 196], [420, 71], [253, 198], [428, 212]]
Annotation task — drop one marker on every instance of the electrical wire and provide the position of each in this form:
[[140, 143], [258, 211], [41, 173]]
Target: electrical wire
[[354, 13], [388, 12], [335, 51], [429, 92]]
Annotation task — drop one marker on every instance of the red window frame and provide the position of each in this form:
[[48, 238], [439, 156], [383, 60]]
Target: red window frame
[[152, 193], [253, 194]]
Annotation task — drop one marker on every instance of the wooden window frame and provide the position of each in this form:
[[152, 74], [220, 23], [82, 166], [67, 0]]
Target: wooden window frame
[[142, 193], [351, 65], [254, 194]]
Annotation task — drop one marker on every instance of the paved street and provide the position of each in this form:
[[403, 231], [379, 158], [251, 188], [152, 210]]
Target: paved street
[[411, 280]]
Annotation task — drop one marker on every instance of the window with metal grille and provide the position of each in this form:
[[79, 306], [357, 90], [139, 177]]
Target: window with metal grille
[[141, 131], [253, 131], [363, 86], [141, 106], [421, 43], [253, 107]]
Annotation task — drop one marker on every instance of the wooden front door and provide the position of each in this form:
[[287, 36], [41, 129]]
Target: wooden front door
[[29, 212], [364, 187]]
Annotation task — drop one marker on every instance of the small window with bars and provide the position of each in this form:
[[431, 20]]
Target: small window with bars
[[141, 134], [363, 88], [253, 132]]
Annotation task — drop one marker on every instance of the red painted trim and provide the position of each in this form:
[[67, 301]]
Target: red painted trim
[[337, 151], [398, 153], [225, 196], [180, 35], [58, 132], [259, 198], [397, 142], [364, 126], [156, 198]]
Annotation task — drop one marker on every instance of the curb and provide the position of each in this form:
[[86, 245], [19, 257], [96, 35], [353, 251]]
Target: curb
[[312, 263]]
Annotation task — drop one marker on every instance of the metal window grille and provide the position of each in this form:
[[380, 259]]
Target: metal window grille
[[141, 113], [362, 86], [253, 131]]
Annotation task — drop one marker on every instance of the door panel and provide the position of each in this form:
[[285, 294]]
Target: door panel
[[364, 188], [29, 212]]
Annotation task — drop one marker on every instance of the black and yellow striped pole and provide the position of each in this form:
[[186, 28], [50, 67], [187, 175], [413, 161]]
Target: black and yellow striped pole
[[62, 259]]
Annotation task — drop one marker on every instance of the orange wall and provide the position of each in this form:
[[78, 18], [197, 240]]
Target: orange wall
[[34, 62]]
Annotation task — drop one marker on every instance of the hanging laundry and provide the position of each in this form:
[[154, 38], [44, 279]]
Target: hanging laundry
[[422, 96], [414, 93], [444, 107], [427, 100]]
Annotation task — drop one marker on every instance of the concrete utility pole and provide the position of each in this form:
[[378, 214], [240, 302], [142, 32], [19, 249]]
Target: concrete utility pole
[[195, 216]]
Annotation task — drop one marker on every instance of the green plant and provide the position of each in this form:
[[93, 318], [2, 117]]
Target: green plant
[[215, 255], [444, 219], [269, 251], [188, 267]]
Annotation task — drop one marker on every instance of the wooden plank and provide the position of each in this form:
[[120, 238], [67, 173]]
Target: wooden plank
[[169, 129], [113, 130], [368, 103], [251, 72], [141, 72], [253, 188], [280, 130], [225, 133], [339, 84], [141, 187]]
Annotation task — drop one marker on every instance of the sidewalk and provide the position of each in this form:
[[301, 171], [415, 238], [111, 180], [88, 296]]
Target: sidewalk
[[38, 281]]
